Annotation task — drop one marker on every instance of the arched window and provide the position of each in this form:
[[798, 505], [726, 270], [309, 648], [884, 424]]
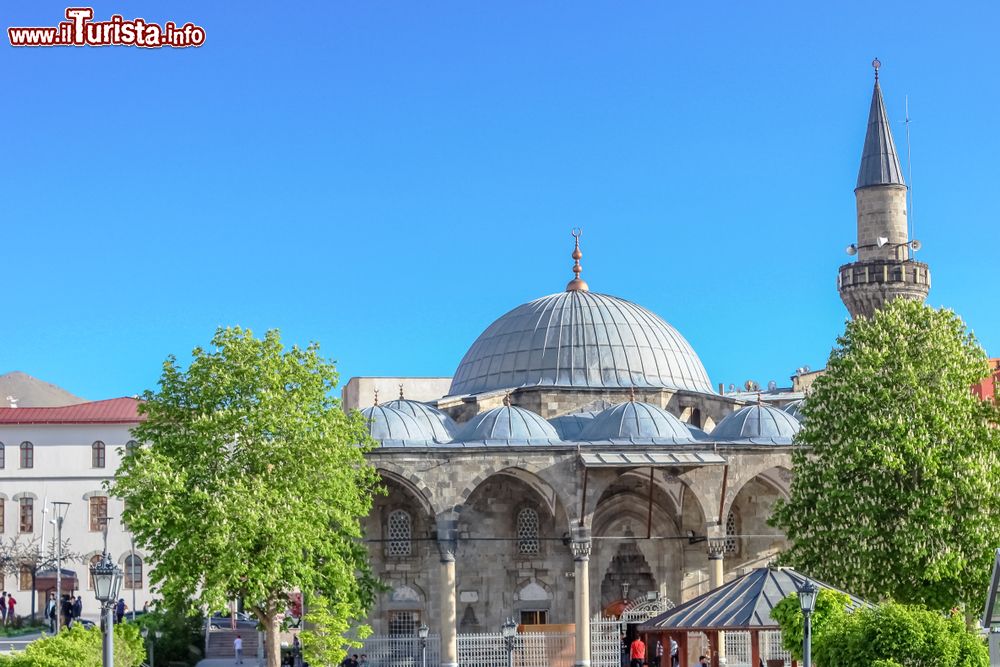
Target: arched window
[[399, 530], [527, 532], [130, 447], [97, 451], [27, 514], [732, 534], [27, 455], [133, 571], [3, 456], [94, 560]]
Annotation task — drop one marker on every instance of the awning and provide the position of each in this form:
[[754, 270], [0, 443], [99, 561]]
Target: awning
[[645, 458]]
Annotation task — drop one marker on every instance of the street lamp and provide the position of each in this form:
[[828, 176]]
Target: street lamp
[[807, 600], [508, 631], [107, 583], [422, 633], [156, 635], [59, 509]]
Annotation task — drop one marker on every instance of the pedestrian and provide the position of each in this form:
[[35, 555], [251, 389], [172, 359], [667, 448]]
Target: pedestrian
[[145, 607], [10, 608], [120, 610], [637, 652], [675, 659], [77, 608], [657, 654], [50, 612], [3, 608], [703, 661], [364, 661], [66, 610], [238, 649]]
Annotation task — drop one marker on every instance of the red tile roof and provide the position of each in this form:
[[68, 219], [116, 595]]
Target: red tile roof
[[111, 411]]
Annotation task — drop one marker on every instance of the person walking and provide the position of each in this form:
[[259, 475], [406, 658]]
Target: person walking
[[10, 609], [120, 610], [3, 608], [77, 608], [637, 652], [51, 609], [238, 649], [657, 654]]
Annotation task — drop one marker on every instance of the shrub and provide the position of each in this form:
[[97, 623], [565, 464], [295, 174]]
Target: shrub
[[80, 648]]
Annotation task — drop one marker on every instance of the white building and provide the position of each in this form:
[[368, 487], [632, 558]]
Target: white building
[[66, 454]]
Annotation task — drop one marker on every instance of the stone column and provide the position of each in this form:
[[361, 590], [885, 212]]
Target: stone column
[[580, 545], [447, 539], [716, 549]]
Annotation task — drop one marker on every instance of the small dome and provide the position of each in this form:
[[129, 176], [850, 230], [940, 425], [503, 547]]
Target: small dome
[[385, 423], [569, 426], [696, 432], [509, 423], [433, 421], [758, 422], [795, 409], [634, 419]]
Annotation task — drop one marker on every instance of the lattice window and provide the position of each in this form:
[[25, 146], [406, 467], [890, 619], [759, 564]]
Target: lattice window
[[732, 533], [3, 456], [399, 530], [527, 532], [97, 454], [404, 623]]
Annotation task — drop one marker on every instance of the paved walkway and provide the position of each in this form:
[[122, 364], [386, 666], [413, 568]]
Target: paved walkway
[[227, 662]]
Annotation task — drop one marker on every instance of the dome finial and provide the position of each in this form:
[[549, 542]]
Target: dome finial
[[376, 397], [577, 285], [401, 391], [876, 64], [631, 394], [506, 399]]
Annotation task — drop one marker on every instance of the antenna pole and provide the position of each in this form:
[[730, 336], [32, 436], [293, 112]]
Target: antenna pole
[[909, 174]]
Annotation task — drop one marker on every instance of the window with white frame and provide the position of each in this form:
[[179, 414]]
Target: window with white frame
[[527, 532], [399, 531]]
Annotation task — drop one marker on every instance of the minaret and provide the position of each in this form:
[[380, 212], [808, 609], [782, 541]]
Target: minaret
[[884, 269]]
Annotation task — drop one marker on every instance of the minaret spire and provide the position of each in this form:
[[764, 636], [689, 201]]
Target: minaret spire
[[879, 161]]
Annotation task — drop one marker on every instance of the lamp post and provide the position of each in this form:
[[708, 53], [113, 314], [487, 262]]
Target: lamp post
[[807, 600], [422, 633], [59, 509], [152, 644], [107, 583], [132, 573], [508, 631]]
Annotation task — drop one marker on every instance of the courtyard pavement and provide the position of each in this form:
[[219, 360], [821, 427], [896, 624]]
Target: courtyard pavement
[[227, 662]]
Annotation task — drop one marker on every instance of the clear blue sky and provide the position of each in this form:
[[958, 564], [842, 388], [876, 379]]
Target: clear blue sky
[[387, 178]]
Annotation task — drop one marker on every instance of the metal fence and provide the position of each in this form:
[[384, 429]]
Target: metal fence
[[738, 651], [530, 649], [605, 642], [389, 651]]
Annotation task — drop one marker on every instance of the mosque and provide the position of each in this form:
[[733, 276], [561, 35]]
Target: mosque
[[580, 462]]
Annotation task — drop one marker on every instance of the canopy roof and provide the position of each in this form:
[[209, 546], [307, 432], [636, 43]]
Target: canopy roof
[[742, 604]]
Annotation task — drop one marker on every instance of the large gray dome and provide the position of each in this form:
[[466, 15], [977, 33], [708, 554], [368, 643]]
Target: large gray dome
[[579, 339]]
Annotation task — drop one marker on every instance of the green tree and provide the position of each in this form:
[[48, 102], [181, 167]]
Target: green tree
[[894, 494], [831, 606], [251, 483]]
